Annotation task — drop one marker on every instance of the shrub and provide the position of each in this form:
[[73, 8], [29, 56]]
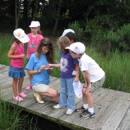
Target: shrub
[[78, 30], [114, 40]]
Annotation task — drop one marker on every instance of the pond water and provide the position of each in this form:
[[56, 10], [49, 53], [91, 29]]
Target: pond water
[[38, 123]]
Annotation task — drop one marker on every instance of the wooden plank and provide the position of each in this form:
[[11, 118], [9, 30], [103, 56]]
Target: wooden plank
[[118, 113], [112, 107], [103, 109], [97, 97], [125, 124]]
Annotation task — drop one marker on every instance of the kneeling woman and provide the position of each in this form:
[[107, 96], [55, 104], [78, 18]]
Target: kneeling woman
[[38, 67]]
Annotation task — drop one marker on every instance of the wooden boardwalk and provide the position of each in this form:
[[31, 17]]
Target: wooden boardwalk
[[112, 107]]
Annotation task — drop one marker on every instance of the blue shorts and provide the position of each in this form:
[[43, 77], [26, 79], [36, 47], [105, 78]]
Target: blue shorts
[[16, 72]]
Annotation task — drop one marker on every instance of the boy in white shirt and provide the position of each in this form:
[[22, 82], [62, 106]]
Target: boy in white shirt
[[94, 78]]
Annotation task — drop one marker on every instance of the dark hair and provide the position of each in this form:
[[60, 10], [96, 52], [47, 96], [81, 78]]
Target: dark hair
[[71, 36], [64, 42], [17, 41], [39, 32], [50, 54]]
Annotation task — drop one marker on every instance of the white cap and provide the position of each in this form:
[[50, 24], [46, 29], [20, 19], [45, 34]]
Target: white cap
[[34, 24], [77, 47], [67, 31], [38, 23], [21, 35]]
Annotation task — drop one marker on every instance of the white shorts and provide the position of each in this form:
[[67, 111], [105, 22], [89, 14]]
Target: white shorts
[[40, 87]]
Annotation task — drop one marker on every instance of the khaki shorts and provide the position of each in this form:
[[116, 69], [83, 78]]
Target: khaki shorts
[[97, 85], [40, 87]]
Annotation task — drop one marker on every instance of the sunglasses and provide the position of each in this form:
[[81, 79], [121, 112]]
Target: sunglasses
[[46, 44]]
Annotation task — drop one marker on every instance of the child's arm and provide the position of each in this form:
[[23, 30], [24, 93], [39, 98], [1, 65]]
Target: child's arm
[[11, 51], [37, 71], [87, 83], [76, 79], [54, 65]]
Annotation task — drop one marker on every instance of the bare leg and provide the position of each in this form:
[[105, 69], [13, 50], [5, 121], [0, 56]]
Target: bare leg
[[14, 86], [20, 84], [30, 77], [52, 94], [88, 98], [85, 101]]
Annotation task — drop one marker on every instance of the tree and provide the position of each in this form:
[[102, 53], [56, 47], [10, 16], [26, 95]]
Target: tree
[[17, 12]]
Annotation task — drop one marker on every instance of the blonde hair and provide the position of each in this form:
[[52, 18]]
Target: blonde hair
[[64, 42]]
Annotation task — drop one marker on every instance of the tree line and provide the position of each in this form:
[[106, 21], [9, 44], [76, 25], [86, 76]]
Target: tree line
[[92, 20]]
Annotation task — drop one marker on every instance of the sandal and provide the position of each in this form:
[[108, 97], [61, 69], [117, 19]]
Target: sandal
[[29, 87], [17, 98], [38, 97], [23, 95]]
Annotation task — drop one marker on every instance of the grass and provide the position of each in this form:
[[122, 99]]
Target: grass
[[12, 119]]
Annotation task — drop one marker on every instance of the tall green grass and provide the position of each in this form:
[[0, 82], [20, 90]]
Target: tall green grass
[[116, 66], [12, 119]]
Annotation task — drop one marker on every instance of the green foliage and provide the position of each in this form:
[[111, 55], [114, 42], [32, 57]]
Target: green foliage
[[78, 30], [116, 67], [12, 118], [113, 40], [5, 43]]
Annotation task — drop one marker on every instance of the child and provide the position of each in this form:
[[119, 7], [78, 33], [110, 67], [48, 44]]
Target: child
[[33, 43], [94, 78], [38, 67], [67, 65], [70, 34], [16, 71]]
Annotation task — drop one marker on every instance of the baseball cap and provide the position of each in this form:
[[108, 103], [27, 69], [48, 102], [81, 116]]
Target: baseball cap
[[67, 31], [34, 24], [77, 47], [21, 35]]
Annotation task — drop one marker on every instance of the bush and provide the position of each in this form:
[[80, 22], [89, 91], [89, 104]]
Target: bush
[[114, 40], [78, 30]]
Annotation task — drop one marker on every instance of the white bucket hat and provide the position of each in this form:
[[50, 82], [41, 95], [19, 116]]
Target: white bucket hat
[[38, 23], [34, 24], [77, 47], [21, 35], [67, 31]]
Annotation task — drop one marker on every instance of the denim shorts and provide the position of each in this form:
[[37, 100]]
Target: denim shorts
[[16, 72], [40, 87]]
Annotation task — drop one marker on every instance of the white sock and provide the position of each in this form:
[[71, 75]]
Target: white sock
[[85, 106], [91, 110]]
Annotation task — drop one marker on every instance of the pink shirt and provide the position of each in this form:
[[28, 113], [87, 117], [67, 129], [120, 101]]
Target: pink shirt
[[18, 62], [33, 43]]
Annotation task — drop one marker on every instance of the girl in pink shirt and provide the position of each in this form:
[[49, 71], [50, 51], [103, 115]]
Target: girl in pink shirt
[[33, 43], [16, 71]]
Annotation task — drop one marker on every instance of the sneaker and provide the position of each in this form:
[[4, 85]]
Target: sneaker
[[38, 97], [69, 112], [23, 95], [17, 98], [80, 109], [87, 114], [57, 106], [29, 87]]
